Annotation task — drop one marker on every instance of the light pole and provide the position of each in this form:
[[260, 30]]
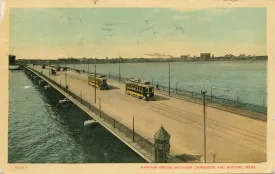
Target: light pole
[[211, 91], [204, 118], [66, 79], [133, 129], [88, 66], [49, 69], [169, 78], [95, 83], [119, 70], [176, 87]]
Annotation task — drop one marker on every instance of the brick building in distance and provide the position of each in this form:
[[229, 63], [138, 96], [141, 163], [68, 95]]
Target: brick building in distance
[[12, 59], [205, 56]]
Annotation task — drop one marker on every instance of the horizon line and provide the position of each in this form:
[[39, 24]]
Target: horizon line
[[109, 58]]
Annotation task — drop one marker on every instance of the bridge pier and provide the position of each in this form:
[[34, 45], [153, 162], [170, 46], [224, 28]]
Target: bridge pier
[[64, 101], [35, 77], [48, 86], [90, 122], [42, 82]]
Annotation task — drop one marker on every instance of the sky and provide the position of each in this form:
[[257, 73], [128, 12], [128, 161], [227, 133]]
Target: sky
[[135, 32]]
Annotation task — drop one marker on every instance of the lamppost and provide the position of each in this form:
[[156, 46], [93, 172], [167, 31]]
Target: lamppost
[[204, 118], [211, 91], [169, 78], [49, 69], [119, 69], [88, 66], [176, 87], [95, 83], [66, 79]]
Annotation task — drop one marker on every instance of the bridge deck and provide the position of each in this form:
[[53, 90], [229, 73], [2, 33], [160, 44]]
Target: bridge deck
[[234, 138]]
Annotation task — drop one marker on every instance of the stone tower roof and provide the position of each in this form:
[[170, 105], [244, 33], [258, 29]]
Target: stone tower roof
[[162, 134]]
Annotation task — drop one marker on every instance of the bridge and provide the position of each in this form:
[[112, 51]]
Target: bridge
[[230, 137]]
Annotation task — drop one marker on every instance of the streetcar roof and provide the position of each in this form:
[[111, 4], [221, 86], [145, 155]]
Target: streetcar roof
[[99, 76], [139, 82]]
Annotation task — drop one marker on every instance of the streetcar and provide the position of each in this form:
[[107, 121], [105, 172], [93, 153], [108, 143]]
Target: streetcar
[[99, 81], [140, 89]]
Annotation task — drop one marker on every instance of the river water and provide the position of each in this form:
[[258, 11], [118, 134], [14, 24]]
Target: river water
[[228, 79], [42, 132]]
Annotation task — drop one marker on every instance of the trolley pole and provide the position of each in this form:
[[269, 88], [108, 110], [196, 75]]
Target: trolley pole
[[66, 85], [176, 87], [119, 70], [204, 118], [169, 78], [66, 79], [88, 66], [133, 129], [49, 69], [81, 96], [99, 107], [95, 83]]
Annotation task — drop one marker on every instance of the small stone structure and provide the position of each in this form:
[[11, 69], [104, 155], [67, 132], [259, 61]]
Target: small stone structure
[[162, 145]]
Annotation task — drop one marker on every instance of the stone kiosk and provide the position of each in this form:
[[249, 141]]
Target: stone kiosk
[[162, 145]]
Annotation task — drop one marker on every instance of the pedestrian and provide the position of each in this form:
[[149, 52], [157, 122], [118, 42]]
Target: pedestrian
[[214, 156]]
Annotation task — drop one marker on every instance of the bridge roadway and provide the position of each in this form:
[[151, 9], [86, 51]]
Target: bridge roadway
[[234, 138]]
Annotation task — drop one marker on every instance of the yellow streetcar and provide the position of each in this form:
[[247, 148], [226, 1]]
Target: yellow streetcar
[[100, 81], [137, 88]]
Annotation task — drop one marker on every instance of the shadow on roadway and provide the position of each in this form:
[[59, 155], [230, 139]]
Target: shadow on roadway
[[189, 158], [112, 87], [159, 98]]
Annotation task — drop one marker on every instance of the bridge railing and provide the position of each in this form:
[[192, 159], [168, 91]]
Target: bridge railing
[[214, 99], [222, 102], [209, 99], [119, 127]]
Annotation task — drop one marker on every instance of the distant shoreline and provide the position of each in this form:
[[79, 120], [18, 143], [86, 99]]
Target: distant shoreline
[[139, 60], [167, 61], [224, 60]]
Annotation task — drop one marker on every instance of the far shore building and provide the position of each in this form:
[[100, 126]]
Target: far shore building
[[205, 56], [12, 59]]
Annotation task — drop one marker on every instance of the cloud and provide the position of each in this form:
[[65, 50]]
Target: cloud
[[219, 11], [207, 19], [156, 10], [51, 11], [183, 17], [157, 55], [247, 36]]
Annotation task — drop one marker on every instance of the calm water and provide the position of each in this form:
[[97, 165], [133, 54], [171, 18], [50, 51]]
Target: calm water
[[41, 132], [230, 79]]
